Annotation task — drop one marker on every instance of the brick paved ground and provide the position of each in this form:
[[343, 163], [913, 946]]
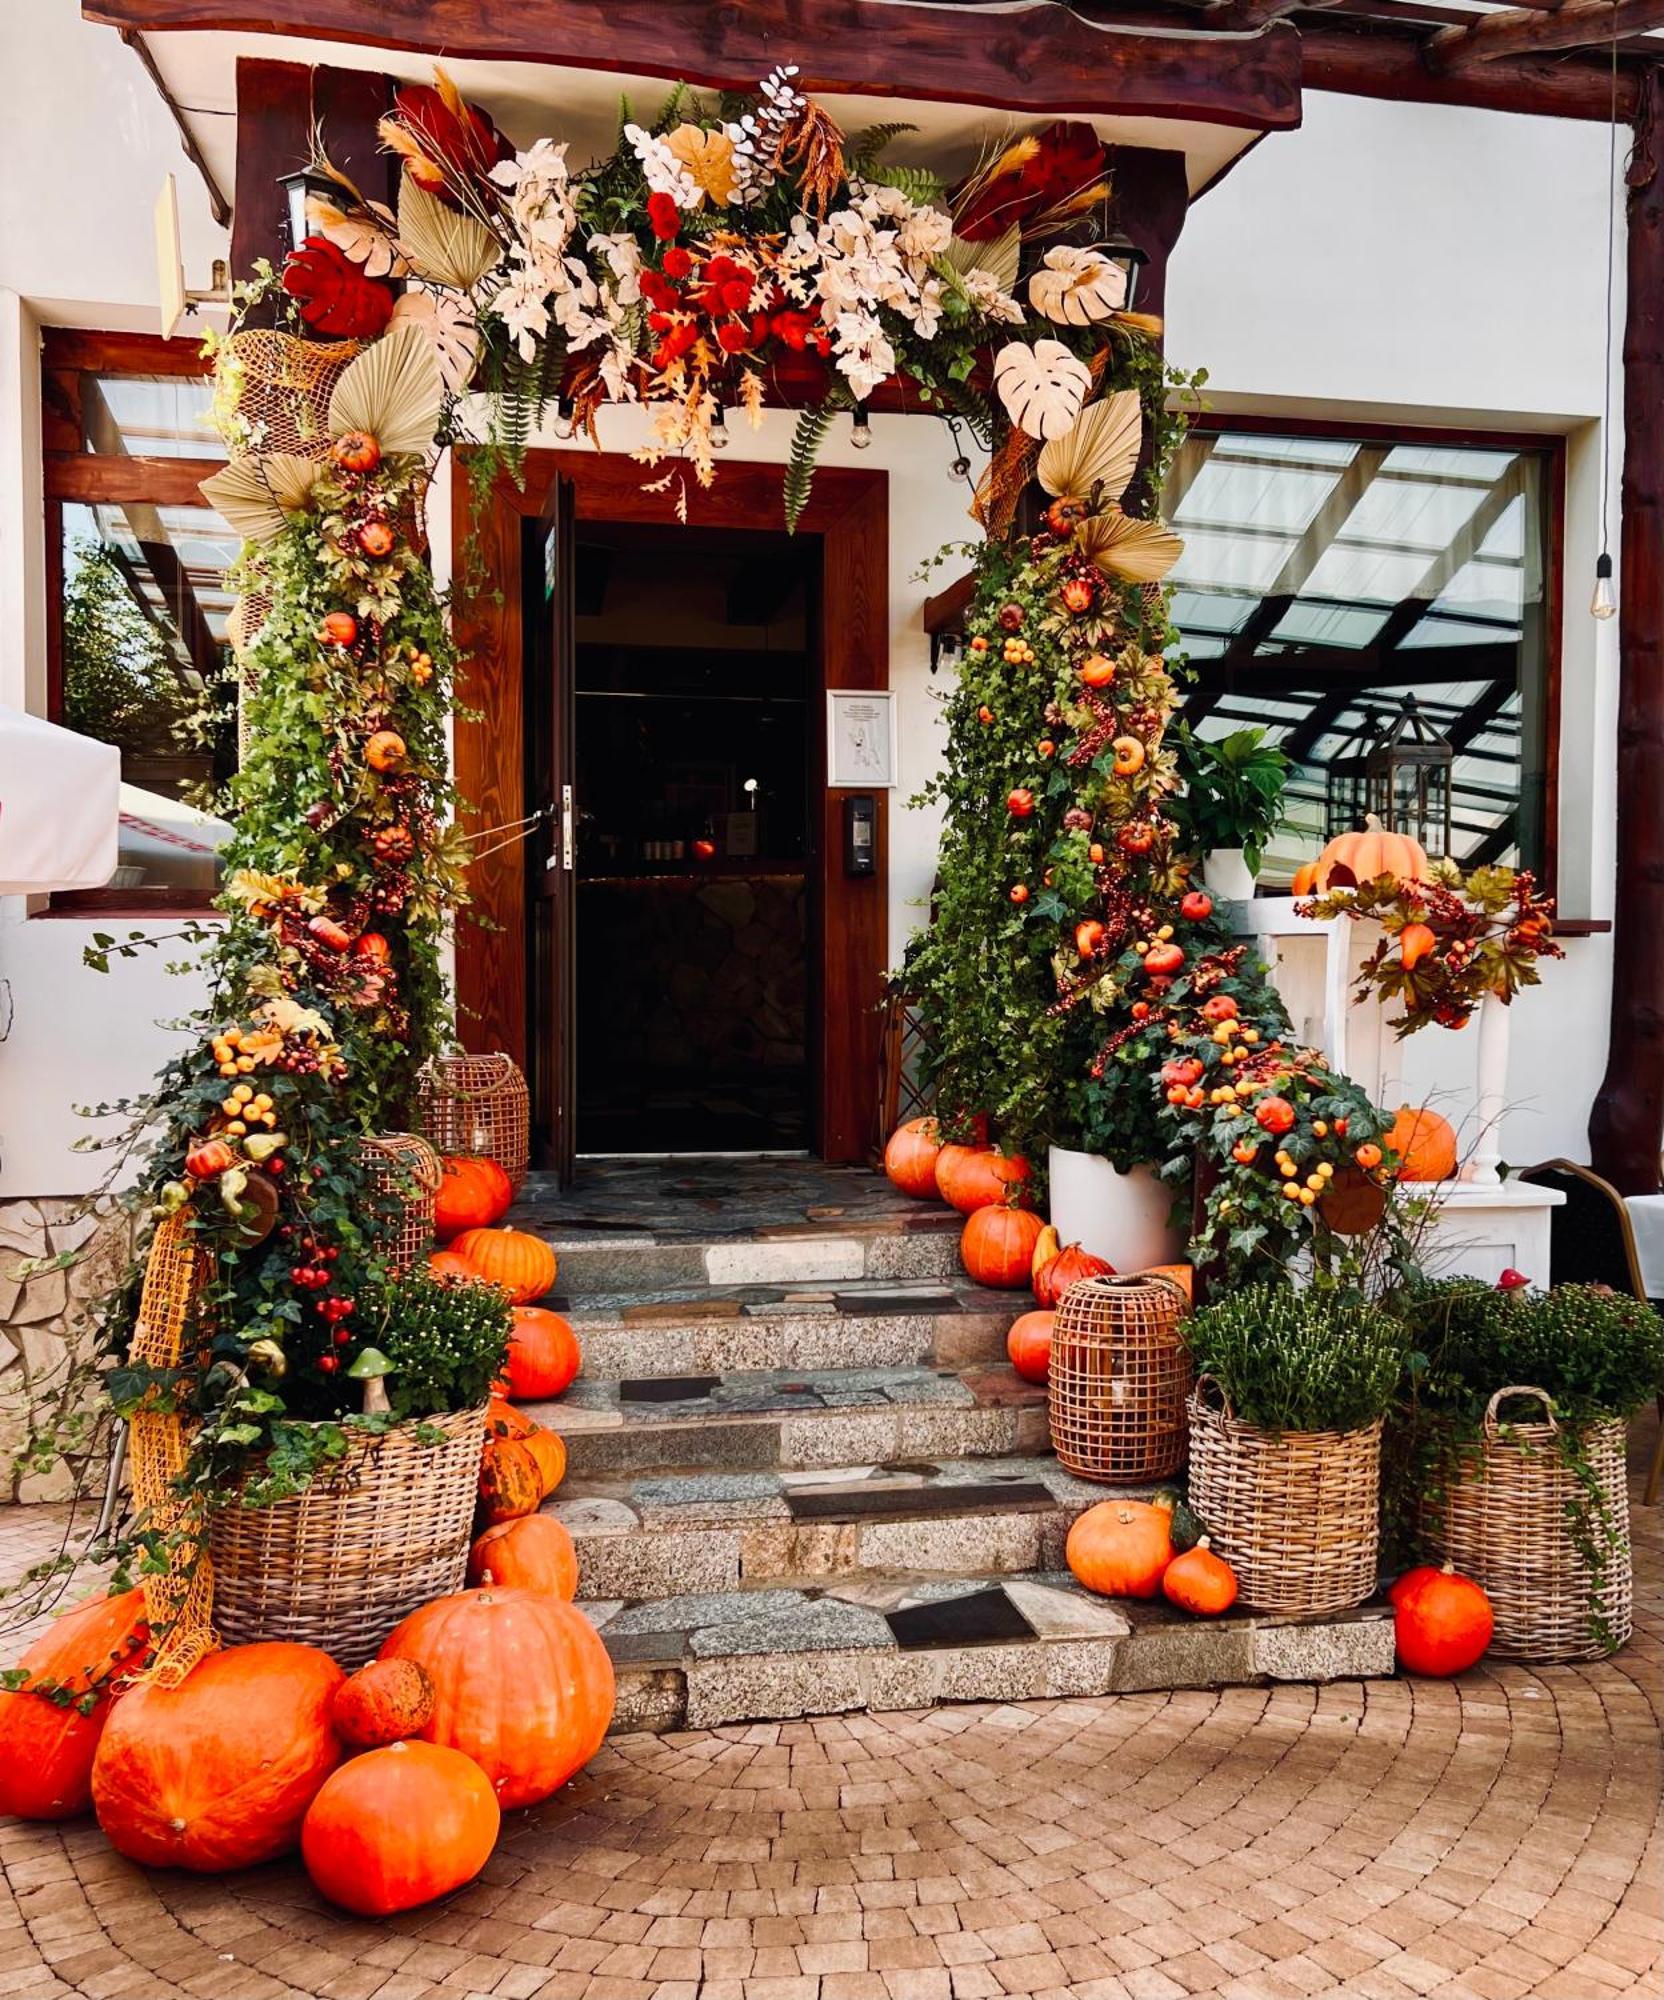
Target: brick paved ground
[[1495, 1837]]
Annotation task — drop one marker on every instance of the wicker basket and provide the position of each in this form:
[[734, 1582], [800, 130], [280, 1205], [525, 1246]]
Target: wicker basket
[[478, 1105], [339, 1565], [1506, 1522], [1120, 1373], [407, 1170], [1295, 1513]]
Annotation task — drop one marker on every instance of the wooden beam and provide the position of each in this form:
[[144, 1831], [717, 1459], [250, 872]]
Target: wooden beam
[[1626, 1126], [1031, 57], [1530, 31], [1238, 16], [1370, 62]]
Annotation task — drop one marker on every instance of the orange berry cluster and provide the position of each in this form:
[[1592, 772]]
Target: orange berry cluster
[[246, 1106]]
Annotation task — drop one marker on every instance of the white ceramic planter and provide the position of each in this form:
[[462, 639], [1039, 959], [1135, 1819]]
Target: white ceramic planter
[[1124, 1218], [1228, 875]]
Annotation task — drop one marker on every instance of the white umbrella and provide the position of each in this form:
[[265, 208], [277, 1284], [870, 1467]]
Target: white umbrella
[[59, 801]]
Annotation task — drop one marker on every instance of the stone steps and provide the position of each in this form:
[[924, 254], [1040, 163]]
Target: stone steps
[[924, 1244]]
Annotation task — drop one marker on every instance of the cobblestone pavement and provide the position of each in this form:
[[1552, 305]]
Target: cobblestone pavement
[[1494, 1837]]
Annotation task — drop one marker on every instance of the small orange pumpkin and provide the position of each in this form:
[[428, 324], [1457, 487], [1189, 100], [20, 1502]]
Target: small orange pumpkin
[[543, 1356], [1442, 1622], [1127, 757], [531, 1554], [1425, 1144], [473, 1193], [397, 1827], [548, 1448], [382, 1703], [524, 1266], [1182, 1275], [910, 1158], [385, 751], [511, 1479], [1200, 1582], [1121, 1548], [1097, 670], [997, 1246], [356, 451], [340, 628], [1351, 858], [375, 538], [447, 1264], [47, 1747], [1067, 1268], [1029, 1345], [971, 1177]]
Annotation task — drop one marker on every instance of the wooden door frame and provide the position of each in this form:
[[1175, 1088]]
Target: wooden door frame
[[849, 511]]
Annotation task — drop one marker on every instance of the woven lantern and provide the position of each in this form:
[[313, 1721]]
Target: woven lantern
[[478, 1106], [1120, 1373], [408, 1169]]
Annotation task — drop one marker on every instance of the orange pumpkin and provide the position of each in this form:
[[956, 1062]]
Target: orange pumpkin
[[382, 1703], [524, 1685], [1182, 1275], [997, 1246], [533, 1554], [1067, 1268], [1200, 1582], [543, 1357], [46, 1749], [473, 1193], [399, 1826], [548, 1449], [1442, 1622], [503, 1420], [1029, 1344], [910, 1158], [972, 1177], [385, 750], [511, 1479], [1121, 1548], [1425, 1144], [447, 1264], [1305, 880], [523, 1265], [1351, 858], [218, 1772], [1415, 941]]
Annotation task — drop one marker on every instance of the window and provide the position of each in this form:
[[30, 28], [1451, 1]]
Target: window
[[1329, 578], [137, 601]]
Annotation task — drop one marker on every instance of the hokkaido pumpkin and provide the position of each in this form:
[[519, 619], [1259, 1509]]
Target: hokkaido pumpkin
[[523, 1265], [1200, 1582], [910, 1158], [47, 1747], [543, 1357], [548, 1450], [447, 1264], [1067, 1268], [533, 1554], [473, 1193], [1351, 858], [1425, 1144], [503, 1420], [1442, 1622], [217, 1773], [1029, 1344], [399, 1826], [1121, 1548], [973, 1177], [511, 1479], [524, 1685], [383, 1702], [997, 1245]]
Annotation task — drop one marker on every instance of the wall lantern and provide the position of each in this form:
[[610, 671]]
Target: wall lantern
[[1127, 258], [1409, 779], [303, 182]]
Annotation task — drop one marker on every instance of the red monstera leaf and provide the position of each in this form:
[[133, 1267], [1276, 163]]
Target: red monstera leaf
[[441, 138], [333, 294]]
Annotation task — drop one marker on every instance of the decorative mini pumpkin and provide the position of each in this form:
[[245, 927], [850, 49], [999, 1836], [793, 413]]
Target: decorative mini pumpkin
[[1351, 858], [399, 1826], [1442, 1622], [47, 1747], [503, 1420], [447, 1264], [1067, 1268], [206, 1159], [1164, 959], [340, 628], [473, 1194], [997, 1245], [543, 1357], [1200, 1582], [524, 1266], [1127, 756], [375, 538], [523, 1683], [382, 1703], [356, 451], [910, 1158], [533, 1554], [1274, 1115], [1425, 1144], [511, 1479], [971, 1177], [548, 1448], [385, 750], [1029, 1345], [1121, 1548], [218, 1772]]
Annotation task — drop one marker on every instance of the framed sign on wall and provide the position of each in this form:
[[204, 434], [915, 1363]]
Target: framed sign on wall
[[860, 739]]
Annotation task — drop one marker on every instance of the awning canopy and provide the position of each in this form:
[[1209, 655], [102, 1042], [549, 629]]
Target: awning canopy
[[59, 802]]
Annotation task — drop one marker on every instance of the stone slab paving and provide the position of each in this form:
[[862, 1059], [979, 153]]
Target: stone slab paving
[[1493, 1838]]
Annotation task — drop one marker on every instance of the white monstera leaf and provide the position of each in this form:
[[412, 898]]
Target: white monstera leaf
[[1134, 551], [257, 495], [449, 324], [1101, 450], [1043, 387], [367, 235], [1075, 287]]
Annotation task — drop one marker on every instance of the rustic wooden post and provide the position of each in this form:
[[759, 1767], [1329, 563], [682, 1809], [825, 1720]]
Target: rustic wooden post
[[1626, 1128]]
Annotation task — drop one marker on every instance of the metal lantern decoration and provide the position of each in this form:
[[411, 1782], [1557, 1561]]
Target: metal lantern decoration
[[1409, 779], [297, 187], [1346, 778], [1127, 257]]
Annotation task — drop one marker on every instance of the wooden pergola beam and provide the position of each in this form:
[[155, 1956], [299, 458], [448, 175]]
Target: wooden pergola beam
[[1368, 61], [1533, 31]]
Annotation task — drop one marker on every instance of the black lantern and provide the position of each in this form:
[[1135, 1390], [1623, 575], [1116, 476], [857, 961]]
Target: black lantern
[[297, 187], [1346, 778], [1127, 258], [1409, 779]]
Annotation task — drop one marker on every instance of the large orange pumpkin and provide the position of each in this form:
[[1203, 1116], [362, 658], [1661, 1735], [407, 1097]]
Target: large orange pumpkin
[[548, 1449], [217, 1773], [47, 1747], [1121, 1548], [511, 1479], [973, 1177], [997, 1246], [533, 1554], [383, 1702], [1425, 1144], [910, 1158], [1351, 858], [1029, 1344], [524, 1685], [399, 1826], [523, 1265], [473, 1193], [543, 1357]]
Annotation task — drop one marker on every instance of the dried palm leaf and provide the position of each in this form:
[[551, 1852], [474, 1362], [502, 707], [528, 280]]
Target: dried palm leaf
[[999, 257], [442, 243], [1101, 450], [1043, 387], [257, 495], [392, 391], [1135, 551]]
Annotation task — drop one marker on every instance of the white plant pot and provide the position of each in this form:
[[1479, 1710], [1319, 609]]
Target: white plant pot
[[1228, 875], [1125, 1218]]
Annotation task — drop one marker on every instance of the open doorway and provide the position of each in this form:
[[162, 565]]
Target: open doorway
[[696, 667]]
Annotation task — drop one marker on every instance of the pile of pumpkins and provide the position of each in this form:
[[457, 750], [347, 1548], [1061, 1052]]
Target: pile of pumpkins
[[988, 1187]]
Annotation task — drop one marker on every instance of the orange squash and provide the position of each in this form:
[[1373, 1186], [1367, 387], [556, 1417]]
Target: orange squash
[[1415, 941], [503, 1420], [47, 1748], [1182, 1275], [543, 1357], [1200, 1582], [910, 1158], [997, 1246], [523, 1265], [1067, 1268], [548, 1449], [1351, 858], [1425, 1144], [1029, 1344], [1121, 1548], [1305, 880], [382, 1703], [524, 1685], [218, 1772], [1442, 1622], [511, 1479], [395, 1828], [533, 1554], [473, 1193], [973, 1177]]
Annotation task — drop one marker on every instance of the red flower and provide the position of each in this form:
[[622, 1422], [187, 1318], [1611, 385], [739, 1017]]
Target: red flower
[[664, 215], [675, 344], [333, 294], [677, 264], [736, 294], [657, 291], [792, 328], [1069, 160], [732, 337]]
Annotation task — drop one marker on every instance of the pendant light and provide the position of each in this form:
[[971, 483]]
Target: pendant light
[[860, 430], [1603, 604]]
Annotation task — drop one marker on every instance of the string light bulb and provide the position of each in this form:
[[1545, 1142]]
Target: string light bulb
[[1604, 602], [719, 429], [861, 428]]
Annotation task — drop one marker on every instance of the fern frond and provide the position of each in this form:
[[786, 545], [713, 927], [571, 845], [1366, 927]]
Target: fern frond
[[974, 407], [867, 146], [919, 184], [808, 436], [670, 111]]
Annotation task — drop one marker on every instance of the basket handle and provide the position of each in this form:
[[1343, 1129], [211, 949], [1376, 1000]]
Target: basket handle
[[1492, 1421], [1206, 1382]]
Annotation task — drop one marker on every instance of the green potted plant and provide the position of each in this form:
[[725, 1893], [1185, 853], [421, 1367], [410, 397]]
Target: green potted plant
[[1231, 804]]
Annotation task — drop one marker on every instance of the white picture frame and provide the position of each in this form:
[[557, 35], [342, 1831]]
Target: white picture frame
[[860, 740]]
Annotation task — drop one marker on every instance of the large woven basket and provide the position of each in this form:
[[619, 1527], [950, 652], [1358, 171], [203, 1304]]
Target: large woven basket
[[407, 1175], [478, 1105], [1507, 1521], [1120, 1372], [1295, 1513], [339, 1565]]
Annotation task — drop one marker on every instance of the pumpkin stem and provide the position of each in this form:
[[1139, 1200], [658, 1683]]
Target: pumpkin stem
[[1447, 1568], [486, 1579], [1203, 1542]]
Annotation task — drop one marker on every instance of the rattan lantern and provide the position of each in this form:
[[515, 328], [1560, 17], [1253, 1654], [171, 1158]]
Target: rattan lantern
[[478, 1105], [1120, 1373], [407, 1171]]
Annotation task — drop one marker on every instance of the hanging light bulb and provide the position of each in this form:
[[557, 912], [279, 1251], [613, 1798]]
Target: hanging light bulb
[[1604, 603], [719, 429], [861, 428], [566, 417]]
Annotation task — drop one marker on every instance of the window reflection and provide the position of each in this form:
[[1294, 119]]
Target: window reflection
[[149, 416]]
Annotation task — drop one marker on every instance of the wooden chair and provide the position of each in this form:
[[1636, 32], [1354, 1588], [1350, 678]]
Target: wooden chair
[[1592, 1242]]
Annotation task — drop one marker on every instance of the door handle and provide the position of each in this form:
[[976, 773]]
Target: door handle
[[566, 830]]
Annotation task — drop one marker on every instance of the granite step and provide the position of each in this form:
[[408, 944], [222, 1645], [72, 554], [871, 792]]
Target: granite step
[[796, 1648], [665, 1534], [796, 1417]]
